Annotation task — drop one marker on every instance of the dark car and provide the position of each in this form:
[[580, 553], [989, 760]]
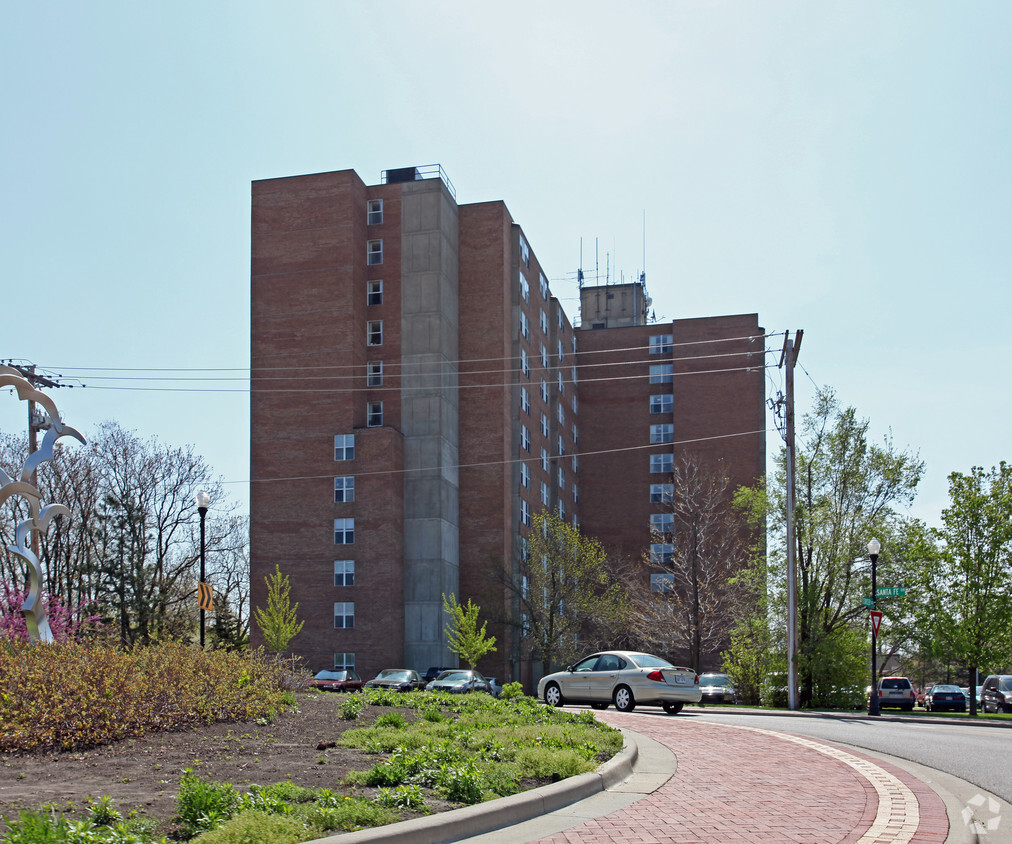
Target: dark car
[[716, 688], [942, 697], [459, 681], [996, 693], [337, 680], [435, 670], [397, 679]]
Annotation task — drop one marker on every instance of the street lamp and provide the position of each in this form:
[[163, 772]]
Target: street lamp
[[873, 708], [203, 500]]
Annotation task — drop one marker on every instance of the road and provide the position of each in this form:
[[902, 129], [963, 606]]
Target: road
[[979, 754]]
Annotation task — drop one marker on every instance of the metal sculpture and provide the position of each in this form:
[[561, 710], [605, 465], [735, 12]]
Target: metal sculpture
[[40, 515]]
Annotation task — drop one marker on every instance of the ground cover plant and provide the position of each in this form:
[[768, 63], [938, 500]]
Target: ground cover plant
[[270, 764]]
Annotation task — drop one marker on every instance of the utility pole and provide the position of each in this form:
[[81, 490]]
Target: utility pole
[[789, 357]]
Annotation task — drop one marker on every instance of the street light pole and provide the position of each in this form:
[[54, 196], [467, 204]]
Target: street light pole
[[873, 703], [203, 500]]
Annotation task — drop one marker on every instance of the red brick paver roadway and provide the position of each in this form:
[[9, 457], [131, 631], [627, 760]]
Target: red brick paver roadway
[[741, 785]]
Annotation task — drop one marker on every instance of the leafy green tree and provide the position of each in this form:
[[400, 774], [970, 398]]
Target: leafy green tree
[[562, 593], [848, 490], [279, 620], [968, 606], [463, 636]]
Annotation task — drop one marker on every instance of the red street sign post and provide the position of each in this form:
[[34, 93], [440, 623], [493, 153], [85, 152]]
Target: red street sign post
[[876, 620]]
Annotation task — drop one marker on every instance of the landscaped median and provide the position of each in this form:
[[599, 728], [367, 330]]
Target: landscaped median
[[311, 766]]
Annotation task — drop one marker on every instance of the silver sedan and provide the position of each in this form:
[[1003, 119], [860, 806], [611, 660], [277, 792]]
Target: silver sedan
[[625, 678]]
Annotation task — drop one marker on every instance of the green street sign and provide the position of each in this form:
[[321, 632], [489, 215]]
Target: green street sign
[[867, 602], [891, 591]]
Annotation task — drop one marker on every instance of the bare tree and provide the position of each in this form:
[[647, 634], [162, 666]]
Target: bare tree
[[699, 544]]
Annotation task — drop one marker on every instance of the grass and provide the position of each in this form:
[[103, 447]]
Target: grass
[[459, 748]]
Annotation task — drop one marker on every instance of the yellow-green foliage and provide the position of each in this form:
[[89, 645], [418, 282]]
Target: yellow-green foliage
[[69, 695], [255, 826]]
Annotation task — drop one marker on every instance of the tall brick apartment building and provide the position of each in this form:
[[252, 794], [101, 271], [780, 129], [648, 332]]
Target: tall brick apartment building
[[418, 394]]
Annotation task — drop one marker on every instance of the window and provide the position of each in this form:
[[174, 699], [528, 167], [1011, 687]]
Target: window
[[562, 351], [543, 282], [574, 402], [374, 332], [662, 404], [344, 531], [662, 552], [344, 447], [544, 391], [544, 357], [576, 465], [525, 438], [525, 326], [544, 425], [525, 288], [374, 252], [344, 572], [662, 522], [375, 211], [576, 496], [374, 373], [344, 489], [573, 339], [544, 459], [344, 615], [525, 476], [562, 478], [525, 400], [374, 414], [562, 509], [525, 513], [561, 412], [562, 383], [374, 293], [662, 583], [576, 438], [574, 373], [544, 322], [661, 344], [661, 493], [525, 367], [525, 251], [546, 496], [662, 463], [344, 660], [562, 446], [662, 373], [664, 433]]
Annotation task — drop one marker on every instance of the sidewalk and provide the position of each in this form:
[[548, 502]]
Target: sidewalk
[[695, 782]]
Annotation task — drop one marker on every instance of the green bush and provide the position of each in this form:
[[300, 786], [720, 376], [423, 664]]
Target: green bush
[[254, 827], [351, 708], [511, 691], [406, 797], [203, 805], [391, 719]]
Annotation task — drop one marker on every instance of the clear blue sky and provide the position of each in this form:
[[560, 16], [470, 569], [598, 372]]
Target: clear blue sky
[[843, 168]]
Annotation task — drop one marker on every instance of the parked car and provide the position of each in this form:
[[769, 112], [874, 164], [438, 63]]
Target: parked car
[[996, 693], [459, 681], [496, 686], [943, 696], [397, 679], [337, 680], [896, 692], [625, 678], [434, 671], [716, 688]]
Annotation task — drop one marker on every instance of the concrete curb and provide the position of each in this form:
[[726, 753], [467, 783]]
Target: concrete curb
[[447, 827]]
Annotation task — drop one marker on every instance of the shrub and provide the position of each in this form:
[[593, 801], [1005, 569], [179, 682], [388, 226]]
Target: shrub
[[407, 797], [351, 708], [203, 805], [511, 691], [391, 719], [255, 826]]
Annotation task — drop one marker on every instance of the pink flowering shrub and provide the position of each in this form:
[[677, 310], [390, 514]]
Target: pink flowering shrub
[[67, 623]]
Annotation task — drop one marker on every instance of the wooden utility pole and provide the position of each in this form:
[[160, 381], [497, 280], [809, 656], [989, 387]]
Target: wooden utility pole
[[789, 357]]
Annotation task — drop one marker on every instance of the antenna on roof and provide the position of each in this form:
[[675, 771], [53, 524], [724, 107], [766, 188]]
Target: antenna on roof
[[579, 272]]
